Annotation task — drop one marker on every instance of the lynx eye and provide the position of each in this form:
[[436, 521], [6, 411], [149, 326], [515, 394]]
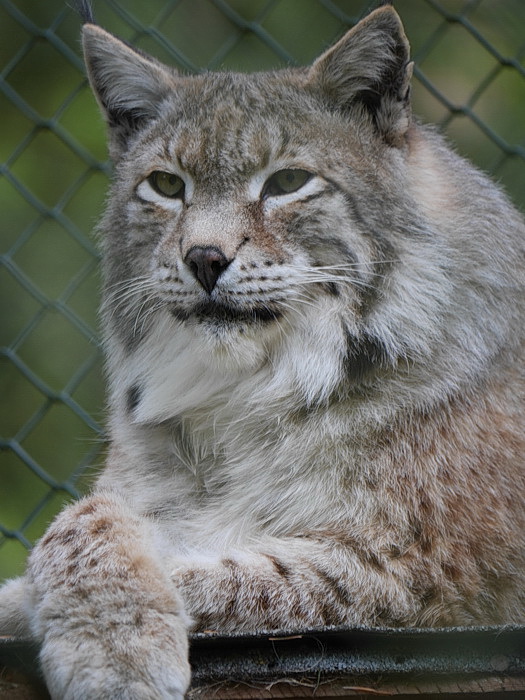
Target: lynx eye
[[167, 184], [285, 182]]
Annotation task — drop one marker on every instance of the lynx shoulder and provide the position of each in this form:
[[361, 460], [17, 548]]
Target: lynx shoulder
[[314, 320]]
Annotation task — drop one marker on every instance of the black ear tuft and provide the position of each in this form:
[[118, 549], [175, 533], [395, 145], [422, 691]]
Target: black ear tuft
[[85, 10], [370, 67]]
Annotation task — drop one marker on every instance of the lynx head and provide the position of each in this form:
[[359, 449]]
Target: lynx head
[[269, 218]]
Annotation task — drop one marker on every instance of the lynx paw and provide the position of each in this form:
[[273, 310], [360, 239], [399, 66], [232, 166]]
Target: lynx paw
[[122, 666], [14, 608], [111, 623]]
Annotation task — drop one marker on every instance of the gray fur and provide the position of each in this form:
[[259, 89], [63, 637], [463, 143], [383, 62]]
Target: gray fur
[[329, 429]]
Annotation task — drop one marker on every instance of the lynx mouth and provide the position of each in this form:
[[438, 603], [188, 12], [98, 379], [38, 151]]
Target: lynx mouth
[[220, 313]]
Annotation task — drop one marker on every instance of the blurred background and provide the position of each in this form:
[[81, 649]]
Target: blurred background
[[470, 79]]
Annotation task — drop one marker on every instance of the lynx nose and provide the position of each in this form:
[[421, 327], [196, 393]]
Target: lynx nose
[[207, 264]]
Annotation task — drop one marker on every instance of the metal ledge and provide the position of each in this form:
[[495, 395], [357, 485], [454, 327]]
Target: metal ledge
[[360, 652], [378, 659]]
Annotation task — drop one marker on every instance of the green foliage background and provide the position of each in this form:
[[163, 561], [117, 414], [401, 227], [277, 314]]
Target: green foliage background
[[471, 80]]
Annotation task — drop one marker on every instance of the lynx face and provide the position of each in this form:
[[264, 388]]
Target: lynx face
[[249, 207], [237, 217], [298, 220]]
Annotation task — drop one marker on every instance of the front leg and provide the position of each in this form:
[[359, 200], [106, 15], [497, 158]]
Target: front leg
[[297, 583], [109, 619]]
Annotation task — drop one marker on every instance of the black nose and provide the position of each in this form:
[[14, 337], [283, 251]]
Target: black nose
[[207, 263]]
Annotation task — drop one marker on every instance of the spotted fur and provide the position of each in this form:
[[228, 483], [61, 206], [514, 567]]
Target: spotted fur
[[316, 394]]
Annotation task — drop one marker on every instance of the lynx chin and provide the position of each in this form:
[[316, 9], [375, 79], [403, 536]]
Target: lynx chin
[[314, 317]]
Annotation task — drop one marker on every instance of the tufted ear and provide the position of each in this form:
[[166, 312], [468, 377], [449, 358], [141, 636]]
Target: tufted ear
[[370, 67], [129, 85]]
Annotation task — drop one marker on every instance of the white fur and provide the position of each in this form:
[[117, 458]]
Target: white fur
[[254, 475]]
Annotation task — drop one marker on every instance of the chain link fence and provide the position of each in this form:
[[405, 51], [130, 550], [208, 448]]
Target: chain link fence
[[470, 79]]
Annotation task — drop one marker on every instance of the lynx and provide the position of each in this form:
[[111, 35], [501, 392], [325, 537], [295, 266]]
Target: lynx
[[313, 317]]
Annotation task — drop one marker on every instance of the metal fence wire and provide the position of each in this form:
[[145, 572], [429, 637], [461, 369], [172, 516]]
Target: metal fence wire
[[470, 79]]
